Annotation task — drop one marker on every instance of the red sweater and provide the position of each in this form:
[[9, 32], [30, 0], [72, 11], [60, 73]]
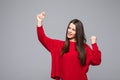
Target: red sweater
[[68, 66]]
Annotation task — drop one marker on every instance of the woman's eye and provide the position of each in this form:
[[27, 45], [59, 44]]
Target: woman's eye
[[68, 27], [73, 29]]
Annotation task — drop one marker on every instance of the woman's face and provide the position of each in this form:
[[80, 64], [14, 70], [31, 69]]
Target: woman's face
[[71, 32]]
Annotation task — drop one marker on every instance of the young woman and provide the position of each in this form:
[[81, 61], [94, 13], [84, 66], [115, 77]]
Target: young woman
[[70, 58]]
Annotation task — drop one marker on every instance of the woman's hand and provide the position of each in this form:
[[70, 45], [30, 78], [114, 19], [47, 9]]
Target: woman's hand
[[40, 18], [93, 39]]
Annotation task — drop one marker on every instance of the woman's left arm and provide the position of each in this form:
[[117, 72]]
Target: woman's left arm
[[95, 52]]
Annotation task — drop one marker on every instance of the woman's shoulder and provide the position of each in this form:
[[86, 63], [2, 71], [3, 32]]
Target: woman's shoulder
[[87, 46], [57, 41]]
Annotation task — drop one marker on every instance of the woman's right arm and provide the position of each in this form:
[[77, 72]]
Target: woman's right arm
[[47, 42]]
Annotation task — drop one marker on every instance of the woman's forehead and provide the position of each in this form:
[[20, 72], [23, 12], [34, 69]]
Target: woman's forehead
[[72, 25]]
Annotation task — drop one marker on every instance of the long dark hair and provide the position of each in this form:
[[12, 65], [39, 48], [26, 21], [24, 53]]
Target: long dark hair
[[80, 41]]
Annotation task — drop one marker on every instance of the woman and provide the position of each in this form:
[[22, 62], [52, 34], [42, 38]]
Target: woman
[[70, 58]]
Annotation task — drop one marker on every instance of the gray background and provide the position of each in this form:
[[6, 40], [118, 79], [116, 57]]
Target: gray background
[[22, 57]]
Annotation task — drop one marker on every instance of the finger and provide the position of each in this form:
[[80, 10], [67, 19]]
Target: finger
[[43, 13], [93, 37]]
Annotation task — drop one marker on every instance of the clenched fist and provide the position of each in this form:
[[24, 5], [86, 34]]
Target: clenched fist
[[40, 18], [93, 39]]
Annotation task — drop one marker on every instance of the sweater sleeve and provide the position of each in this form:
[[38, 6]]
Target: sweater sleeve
[[95, 55], [47, 42]]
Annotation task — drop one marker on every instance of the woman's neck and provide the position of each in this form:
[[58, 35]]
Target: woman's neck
[[72, 40]]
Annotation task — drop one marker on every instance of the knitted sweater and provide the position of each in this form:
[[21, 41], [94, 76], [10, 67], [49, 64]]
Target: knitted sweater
[[68, 66]]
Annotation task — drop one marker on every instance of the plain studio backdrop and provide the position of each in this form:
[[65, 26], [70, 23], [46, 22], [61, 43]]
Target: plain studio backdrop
[[22, 57]]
